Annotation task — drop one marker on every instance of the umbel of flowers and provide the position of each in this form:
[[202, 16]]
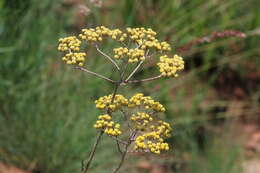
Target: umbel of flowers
[[144, 39], [142, 130], [149, 130]]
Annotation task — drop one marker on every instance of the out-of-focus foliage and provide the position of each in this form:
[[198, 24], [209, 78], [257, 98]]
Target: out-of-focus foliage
[[46, 109]]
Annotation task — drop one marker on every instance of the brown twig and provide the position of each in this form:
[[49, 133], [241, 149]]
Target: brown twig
[[124, 153], [108, 57], [124, 69], [122, 159], [133, 72], [125, 116], [137, 67], [118, 140], [142, 80], [212, 37], [118, 147], [95, 74], [85, 168]]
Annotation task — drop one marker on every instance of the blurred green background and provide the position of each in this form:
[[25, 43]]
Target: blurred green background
[[47, 110]]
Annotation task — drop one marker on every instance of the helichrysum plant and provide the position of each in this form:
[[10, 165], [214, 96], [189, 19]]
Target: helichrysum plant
[[141, 130]]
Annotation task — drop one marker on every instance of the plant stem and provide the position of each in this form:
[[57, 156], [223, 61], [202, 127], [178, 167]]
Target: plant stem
[[137, 67], [115, 91], [108, 57], [85, 169], [124, 70], [95, 74], [125, 116], [122, 159], [125, 152], [118, 140], [142, 80], [118, 147]]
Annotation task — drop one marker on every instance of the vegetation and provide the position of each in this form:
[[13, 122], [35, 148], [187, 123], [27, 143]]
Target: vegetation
[[46, 109]]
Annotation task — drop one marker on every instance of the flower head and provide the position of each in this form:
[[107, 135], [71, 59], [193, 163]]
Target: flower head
[[105, 102], [139, 100], [133, 55], [152, 142], [105, 123], [75, 58], [98, 34], [69, 44], [170, 66]]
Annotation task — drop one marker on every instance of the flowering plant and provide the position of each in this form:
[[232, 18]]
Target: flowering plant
[[142, 130]]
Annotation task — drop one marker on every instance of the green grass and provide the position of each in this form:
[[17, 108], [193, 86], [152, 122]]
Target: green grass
[[47, 110]]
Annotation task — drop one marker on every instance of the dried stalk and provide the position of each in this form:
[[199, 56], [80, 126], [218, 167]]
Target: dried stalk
[[124, 153], [108, 57], [137, 67], [142, 80], [85, 169], [212, 37], [118, 147], [122, 159], [118, 140], [95, 74]]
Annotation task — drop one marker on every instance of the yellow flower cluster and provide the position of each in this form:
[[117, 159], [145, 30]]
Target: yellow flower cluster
[[69, 44], [170, 66], [143, 38], [150, 131], [134, 55], [163, 129], [138, 100], [74, 58], [72, 46], [151, 141], [141, 120], [105, 102], [147, 102], [139, 34], [98, 33], [146, 39], [157, 45], [105, 123]]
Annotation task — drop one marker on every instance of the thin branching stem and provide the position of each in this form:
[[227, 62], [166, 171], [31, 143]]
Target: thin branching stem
[[122, 160], [85, 168], [134, 71], [119, 148], [113, 96], [126, 119], [137, 67], [118, 140], [124, 153], [142, 80], [108, 57], [124, 70], [95, 74]]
